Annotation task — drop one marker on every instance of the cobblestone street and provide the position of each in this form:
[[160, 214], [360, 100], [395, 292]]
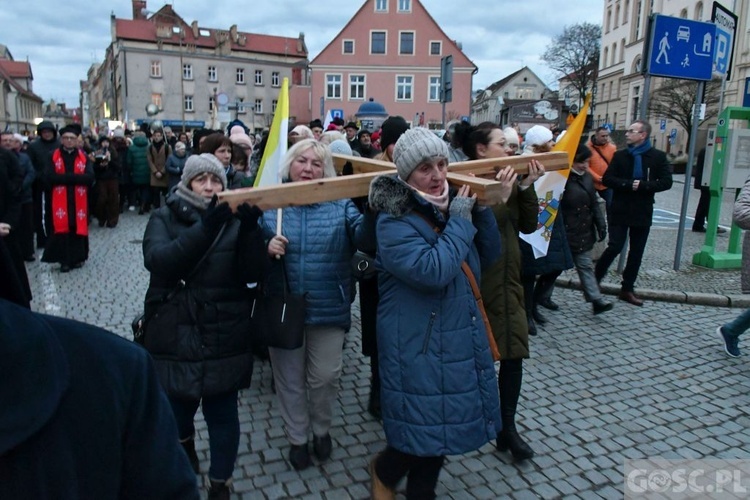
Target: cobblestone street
[[630, 383]]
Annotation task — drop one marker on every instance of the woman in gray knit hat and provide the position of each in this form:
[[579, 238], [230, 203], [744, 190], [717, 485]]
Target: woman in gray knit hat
[[202, 257], [437, 377]]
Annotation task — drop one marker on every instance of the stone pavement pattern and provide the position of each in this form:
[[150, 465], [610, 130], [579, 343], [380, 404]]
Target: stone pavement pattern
[[630, 383]]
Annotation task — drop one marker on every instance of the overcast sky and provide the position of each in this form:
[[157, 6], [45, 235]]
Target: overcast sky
[[63, 39]]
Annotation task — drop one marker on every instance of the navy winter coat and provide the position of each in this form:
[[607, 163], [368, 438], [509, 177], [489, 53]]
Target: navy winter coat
[[438, 384], [83, 415], [318, 258]]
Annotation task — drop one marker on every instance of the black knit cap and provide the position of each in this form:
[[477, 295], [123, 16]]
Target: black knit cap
[[393, 127]]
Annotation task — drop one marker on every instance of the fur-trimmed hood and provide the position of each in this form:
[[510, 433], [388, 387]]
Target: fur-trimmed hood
[[391, 195]]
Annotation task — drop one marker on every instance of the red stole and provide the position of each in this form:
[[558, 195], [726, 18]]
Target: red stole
[[60, 216]]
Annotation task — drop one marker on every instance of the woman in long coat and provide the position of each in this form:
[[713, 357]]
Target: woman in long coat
[[201, 260], [502, 290], [436, 370]]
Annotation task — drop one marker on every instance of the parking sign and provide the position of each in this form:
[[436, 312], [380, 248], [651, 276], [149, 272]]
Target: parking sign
[[726, 26]]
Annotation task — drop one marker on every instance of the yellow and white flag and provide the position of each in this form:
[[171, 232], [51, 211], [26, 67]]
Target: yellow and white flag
[[273, 155], [550, 187]]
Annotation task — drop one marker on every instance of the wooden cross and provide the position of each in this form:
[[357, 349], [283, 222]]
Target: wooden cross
[[482, 183]]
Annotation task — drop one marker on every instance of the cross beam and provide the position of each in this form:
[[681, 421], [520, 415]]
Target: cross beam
[[365, 170]]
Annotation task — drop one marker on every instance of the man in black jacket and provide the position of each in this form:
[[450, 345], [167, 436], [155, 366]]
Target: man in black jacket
[[635, 175]]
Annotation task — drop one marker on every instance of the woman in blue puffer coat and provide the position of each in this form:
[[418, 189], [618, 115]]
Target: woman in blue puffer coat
[[438, 387], [317, 242]]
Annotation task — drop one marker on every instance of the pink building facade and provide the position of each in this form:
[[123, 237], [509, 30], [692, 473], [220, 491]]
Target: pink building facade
[[390, 51]]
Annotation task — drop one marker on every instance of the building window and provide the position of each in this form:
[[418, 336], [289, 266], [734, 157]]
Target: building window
[[436, 48], [155, 69], [333, 86], [240, 104], [156, 99], [357, 87], [404, 88], [275, 79], [404, 5], [406, 43], [188, 103], [638, 8], [258, 109], [240, 76], [609, 20], [348, 47], [258, 77], [683, 13], [377, 42], [274, 103], [625, 12], [381, 5], [212, 74], [187, 71], [211, 103], [434, 94], [617, 15]]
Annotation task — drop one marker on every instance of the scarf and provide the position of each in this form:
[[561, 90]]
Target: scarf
[[637, 151], [440, 201], [60, 215], [191, 197]]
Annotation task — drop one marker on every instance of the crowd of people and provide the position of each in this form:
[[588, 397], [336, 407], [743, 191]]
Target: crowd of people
[[456, 288]]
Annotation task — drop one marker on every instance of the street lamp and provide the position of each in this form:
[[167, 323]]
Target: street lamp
[[181, 35]]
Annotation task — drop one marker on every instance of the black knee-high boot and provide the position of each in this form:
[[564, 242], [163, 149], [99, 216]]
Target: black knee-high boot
[[509, 383]]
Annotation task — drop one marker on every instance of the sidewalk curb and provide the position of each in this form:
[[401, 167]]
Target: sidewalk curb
[[694, 298]]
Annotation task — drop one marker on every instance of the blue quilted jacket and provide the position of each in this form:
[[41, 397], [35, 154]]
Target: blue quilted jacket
[[318, 258], [438, 385]]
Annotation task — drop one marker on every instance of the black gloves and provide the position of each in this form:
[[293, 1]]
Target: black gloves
[[602, 235], [248, 216], [215, 215]]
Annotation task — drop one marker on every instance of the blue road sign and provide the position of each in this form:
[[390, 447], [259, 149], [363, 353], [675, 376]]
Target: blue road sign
[[337, 113], [673, 133], [609, 127], [746, 97], [662, 125], [681, 48]]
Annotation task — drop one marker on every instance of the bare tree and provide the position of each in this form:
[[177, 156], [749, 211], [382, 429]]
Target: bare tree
[[674, 99], [574, 55]]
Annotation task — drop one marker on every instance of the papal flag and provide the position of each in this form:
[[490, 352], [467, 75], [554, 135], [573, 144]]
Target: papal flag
[[550, 187], [273, 156]]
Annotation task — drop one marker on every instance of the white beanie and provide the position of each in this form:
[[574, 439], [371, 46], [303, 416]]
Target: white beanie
[[511, 136], [414, 147], [199, 164], [538, 135]]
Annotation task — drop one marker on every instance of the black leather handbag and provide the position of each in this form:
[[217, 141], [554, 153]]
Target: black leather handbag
[[279, 320], [363, 266]]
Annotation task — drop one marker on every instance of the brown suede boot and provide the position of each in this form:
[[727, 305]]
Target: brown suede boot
[[378, 490]]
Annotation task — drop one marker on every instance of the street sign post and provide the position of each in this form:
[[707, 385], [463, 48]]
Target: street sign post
[[663, 125], [681, 48], [726, 27]]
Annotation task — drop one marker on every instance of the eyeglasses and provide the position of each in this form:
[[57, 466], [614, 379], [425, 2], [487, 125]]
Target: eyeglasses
[[632, 131]]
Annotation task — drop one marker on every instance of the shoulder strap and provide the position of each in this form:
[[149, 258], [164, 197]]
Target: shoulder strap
[[600, 154], [480, 304], [184, 282]]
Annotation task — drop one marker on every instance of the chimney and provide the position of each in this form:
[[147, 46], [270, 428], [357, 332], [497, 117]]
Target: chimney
[[138, 7], [194, 28], [233, 33]]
